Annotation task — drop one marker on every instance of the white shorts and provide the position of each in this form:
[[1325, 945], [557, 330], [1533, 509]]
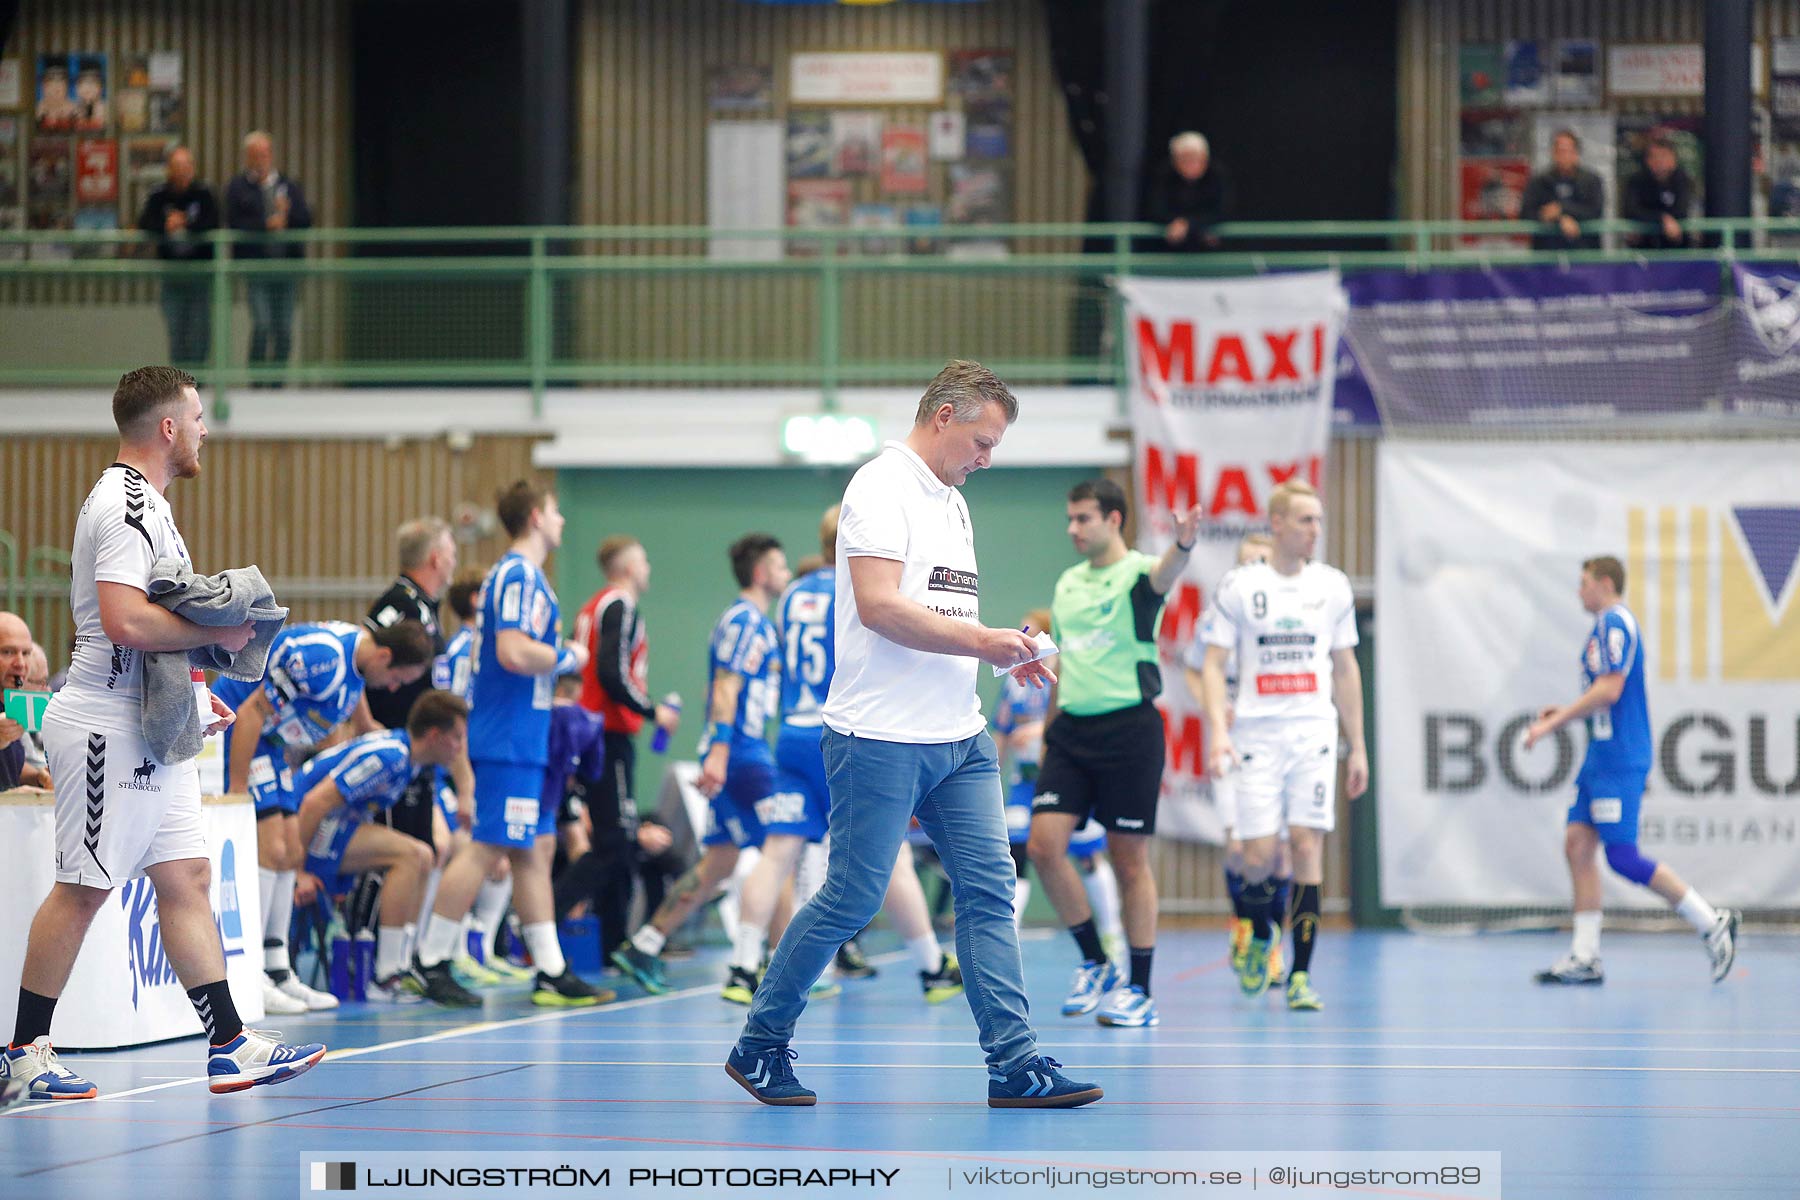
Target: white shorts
[[1286, 775], [118, 811]]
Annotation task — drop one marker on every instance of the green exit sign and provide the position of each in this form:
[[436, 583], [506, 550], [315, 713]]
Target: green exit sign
[[829, 437]]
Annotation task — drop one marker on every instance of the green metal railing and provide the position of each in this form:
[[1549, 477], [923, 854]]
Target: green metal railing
[[541, 307]]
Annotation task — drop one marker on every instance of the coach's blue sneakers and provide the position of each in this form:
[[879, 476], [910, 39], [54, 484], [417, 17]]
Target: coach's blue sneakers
[[1092, 981], [44, 1078], [1039, 1084], [1129, 1007], [767, 1076], [256, 1057]]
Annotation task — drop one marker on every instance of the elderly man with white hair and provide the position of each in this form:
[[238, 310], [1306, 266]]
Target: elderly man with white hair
[[261, 200], [1191, 195]]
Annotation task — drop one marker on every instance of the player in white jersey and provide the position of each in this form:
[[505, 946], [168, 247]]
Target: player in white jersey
[[1254, 548], [1292, 623], [120, 813]]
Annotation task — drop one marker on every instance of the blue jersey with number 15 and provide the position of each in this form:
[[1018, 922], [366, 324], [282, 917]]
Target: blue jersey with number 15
[[809, 642], [509, 718]]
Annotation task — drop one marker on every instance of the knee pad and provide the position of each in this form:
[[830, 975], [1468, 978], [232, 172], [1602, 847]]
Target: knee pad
[[1627, 860]]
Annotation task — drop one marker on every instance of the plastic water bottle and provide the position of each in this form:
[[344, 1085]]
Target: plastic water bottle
[[659, 741], [365, 964], [339, 937], [202, 697]]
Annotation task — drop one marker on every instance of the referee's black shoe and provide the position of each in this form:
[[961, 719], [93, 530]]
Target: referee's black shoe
[[439, 986]]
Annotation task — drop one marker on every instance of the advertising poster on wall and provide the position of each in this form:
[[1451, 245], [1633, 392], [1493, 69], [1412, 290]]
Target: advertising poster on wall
[[876, 216], [12, 91], [55, 94], [978, 195], [903, 160], [816, 204], [144, 170], [947, 131], [740, 88], [1527, 82], [131, 93], [922, 222], [990, 129], [1577, 77], [1490, 191], [92, 114], [1480, 70], [168, 111], [1493, 132], [96, 172], [1784, 88], [50, 184], [808, 145], [981, 74], [855, 143]]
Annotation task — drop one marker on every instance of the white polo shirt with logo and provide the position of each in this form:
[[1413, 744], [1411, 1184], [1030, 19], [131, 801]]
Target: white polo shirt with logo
[[896, 508]]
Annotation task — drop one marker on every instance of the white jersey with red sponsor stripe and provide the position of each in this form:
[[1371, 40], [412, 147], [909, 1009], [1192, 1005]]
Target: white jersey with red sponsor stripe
[[1283, 629]]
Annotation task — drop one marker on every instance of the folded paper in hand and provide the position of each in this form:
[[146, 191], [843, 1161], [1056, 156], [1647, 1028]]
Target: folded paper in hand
[[1045, 648]]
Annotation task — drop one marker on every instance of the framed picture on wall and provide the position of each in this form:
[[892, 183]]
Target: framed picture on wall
[[92, 114], [855, 143], [740, 88], [50, 183], [903, 160], [11, 89], [808, 144]]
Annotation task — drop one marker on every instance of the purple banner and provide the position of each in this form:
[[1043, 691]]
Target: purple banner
[[1578, 344]]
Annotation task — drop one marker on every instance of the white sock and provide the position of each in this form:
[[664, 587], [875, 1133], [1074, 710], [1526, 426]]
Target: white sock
[[438, 943], [747, 949], [1587, 934], [281, 915], [490, 908], [1021, 897], [926, 952], [809, 876], [265, 887], [1698, 912], [546, 950], [428, 900], [390, 950], [1103, 897], [411, 928], [649, 940]]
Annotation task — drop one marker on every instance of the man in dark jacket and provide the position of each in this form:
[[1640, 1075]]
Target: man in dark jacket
[[1192, 194], [1659, 194], [178, 215], [1564, 198], [261, 200]]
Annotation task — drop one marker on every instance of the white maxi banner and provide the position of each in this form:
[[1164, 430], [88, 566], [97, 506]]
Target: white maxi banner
[[123, 992], [1479, 551], [1231, 383]]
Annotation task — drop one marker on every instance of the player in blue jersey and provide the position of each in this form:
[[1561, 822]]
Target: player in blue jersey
[[1019, 719], [1611, 784], [737, 772], [518, 653], [808, 627], [454, 672], [342, 788], [313, 684]]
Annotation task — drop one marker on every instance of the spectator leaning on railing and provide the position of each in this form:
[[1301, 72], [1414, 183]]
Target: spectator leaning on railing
[[178, 215], [1563, 198], [1191, 195], [261, 200], [1660, 193]]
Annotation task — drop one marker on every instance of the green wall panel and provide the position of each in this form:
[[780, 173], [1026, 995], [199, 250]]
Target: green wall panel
[[687, 518]]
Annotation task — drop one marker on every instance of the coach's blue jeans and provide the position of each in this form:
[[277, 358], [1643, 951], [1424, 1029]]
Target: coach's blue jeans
[[954, 790]]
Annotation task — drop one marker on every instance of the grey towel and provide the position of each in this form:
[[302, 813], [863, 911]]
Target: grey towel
[[171, 723]]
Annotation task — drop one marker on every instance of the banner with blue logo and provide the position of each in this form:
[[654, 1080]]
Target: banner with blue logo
[[1478, 559]]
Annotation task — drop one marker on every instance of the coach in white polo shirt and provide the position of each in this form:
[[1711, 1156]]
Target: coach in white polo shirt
[[904, 736]]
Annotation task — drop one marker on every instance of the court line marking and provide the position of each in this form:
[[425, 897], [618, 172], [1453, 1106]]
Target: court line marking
[[1124, 1041], [444, 1035], [807, 1064]]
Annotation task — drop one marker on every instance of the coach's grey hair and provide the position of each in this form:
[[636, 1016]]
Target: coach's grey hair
[[1189, 140], [968, 387], [416, 539]]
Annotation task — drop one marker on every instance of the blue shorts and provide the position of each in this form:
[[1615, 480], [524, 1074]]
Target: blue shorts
[[1610, 806], [271, 779], [733, 818], [508, 808], [1018, 811], [801, 805], [325, 853]]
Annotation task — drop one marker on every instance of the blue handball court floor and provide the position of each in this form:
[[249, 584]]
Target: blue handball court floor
[[1656, 1084]]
